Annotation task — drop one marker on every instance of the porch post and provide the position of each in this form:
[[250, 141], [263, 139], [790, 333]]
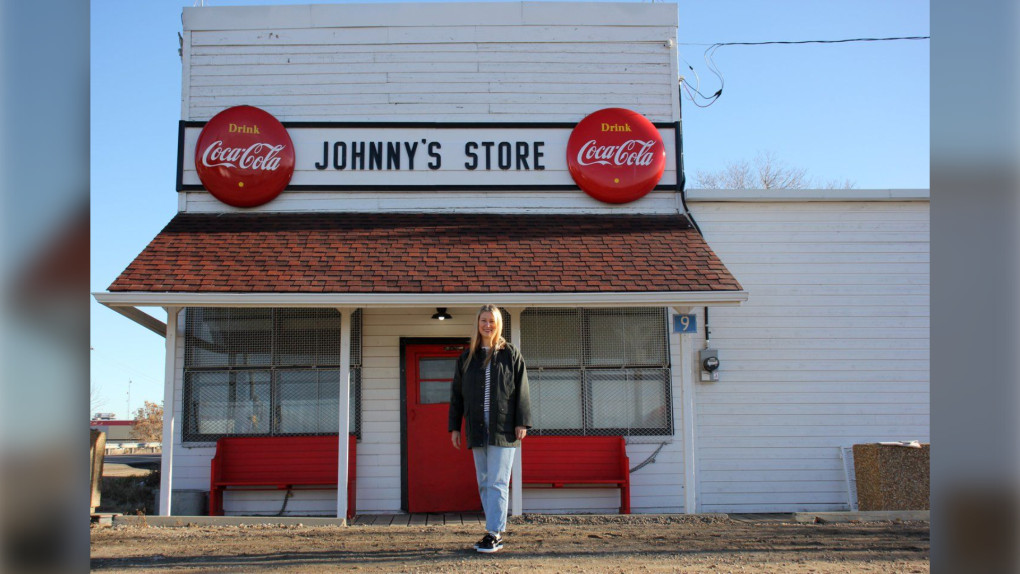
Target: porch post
[[345, 412], [687, 369], [516, 494], [169, 411]]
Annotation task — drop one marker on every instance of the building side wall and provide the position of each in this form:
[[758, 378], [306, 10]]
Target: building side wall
[[831, 348]]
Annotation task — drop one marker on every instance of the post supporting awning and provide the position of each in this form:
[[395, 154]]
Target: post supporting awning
[[345, 412]]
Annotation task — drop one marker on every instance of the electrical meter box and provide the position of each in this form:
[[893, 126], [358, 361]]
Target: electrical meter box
[[709, 361]]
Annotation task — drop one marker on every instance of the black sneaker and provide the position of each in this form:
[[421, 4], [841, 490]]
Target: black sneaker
[[483, 541], [490, 544]]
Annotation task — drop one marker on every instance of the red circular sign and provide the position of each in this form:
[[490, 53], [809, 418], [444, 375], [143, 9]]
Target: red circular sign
[[616, 155], [244, 156]]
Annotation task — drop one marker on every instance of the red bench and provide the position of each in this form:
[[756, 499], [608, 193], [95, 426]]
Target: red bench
[[280, 461], [589, 462]]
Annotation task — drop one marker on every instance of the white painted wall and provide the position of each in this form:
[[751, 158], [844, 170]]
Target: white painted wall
[[493, 62], [530, 62], [658, 487], [831, 348]]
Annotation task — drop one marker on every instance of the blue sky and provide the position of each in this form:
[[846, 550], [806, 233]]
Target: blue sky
[[857, 111]]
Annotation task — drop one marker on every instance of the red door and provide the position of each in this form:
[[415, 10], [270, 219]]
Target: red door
[[439, 477]]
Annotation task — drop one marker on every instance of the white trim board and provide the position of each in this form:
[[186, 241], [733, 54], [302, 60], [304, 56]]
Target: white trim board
[[222, 18], [602, 299], [795, 195], [575, 201]]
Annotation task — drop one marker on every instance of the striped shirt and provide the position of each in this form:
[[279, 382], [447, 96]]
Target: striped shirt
[[487, 387]]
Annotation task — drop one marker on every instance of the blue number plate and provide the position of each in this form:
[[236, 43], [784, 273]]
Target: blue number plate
[[685, 323]]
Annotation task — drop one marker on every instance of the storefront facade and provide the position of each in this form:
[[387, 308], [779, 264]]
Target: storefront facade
[[340, 302]]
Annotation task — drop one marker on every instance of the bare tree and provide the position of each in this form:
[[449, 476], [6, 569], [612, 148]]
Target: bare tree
[[845, 183], [96, 398], [149, 423], [766, 171]]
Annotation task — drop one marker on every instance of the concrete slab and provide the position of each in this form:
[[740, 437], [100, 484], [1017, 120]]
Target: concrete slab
[[165, 521], [862, 516], [103, 518]]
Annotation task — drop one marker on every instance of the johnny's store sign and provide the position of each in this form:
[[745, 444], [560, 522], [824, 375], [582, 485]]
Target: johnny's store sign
[[245, 157]]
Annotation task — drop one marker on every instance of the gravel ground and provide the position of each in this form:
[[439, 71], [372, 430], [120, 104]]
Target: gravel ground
[[534, 544]]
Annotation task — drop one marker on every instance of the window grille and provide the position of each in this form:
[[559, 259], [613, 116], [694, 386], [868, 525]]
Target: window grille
[[264, 372], [507, 324], [598, 371]]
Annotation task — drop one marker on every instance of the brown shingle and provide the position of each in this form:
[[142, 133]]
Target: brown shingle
[[425, 253]]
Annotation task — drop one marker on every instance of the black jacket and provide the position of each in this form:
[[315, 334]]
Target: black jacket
[[509, 398]]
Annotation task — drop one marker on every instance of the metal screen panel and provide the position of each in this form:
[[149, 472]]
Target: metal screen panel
[[355, 339], [356, 354], [228, 337], [229, 403], [631, 337], [551, 337], [598, 371], [628, 401], [266, 372], [307, 337], [355, 403], [556, 400], [307, 401], [507, 323]]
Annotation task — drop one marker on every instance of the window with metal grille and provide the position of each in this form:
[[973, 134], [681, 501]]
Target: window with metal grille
[[263, 372], [598, 371]]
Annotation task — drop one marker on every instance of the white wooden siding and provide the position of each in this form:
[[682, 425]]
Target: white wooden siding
[[505, 62], [658, 487], [831, 348], [192, 467], [524, 78], [656, 202]]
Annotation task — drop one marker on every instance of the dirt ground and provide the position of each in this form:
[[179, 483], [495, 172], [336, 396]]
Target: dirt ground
[[536, 545]]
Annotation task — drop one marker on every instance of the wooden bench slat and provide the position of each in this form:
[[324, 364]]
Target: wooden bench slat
[[280, 462], [577, 462]]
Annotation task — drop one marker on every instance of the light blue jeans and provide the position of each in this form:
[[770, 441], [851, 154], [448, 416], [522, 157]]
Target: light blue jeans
[[492, 467]]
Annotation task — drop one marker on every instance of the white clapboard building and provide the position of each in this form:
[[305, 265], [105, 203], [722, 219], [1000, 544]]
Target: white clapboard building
[[340, 301]]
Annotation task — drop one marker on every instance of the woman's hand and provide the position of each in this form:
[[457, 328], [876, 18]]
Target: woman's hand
[[522, 432], [455, 439]]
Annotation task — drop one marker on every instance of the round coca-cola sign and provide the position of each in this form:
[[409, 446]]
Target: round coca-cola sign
[[244, 156], [616, 155]]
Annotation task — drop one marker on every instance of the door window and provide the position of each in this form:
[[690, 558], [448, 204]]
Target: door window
[[435, 376]]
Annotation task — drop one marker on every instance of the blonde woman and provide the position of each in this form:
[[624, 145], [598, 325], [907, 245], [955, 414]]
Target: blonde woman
[[490, 390]]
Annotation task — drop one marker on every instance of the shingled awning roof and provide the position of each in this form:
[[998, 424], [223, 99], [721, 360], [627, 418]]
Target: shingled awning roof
[[426, 253]]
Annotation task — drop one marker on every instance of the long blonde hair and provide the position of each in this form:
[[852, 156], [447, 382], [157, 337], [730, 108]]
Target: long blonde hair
[[476, 338]]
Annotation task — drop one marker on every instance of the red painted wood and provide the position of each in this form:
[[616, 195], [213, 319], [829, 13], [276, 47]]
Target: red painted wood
[[591, 460], [439, 477], [281, 462]]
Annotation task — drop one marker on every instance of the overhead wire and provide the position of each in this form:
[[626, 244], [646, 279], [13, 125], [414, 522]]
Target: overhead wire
[[710, 63], [843, 41]]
